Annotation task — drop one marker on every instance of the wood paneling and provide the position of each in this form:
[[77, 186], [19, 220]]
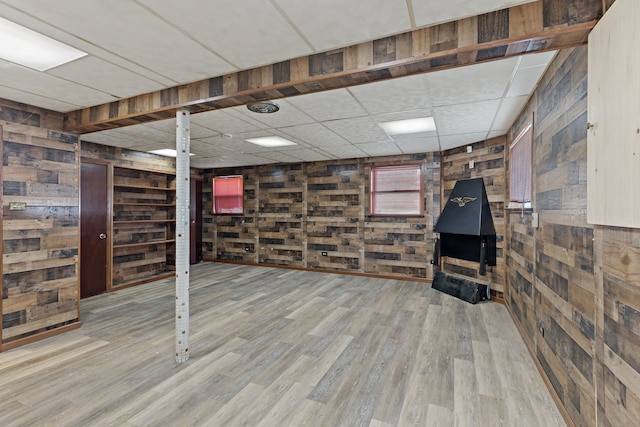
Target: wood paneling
[[489, 164], [122, 157], [295, 213], [620, 329], [335, 215], [281, 214], [551, 24], [40, 168], [581, 320], [232, 237]]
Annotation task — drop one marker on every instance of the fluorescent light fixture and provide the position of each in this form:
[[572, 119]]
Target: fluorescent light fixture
[[167, 152], [425, 124], [26, 47], [270, 141]]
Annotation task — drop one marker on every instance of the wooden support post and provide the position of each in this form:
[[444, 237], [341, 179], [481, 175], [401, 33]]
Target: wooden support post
[[182, 235]]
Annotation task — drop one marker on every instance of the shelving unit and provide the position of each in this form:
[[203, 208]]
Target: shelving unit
[[143, 226]]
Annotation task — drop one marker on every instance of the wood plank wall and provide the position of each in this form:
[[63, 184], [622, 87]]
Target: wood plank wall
[[40, 167], [295, 212], [123, 157], [618, 326], [574, 290], [489, 164]]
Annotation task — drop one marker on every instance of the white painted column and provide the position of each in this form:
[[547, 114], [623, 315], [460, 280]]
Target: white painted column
[[183, 119]]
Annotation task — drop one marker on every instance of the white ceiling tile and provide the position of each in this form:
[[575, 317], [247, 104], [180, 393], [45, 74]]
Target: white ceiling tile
[[48, 86], [412, 136], [34, 99], [434, 12], [406, 93], [454, 141], [279, 157], [537, 59], [315, 134], [386, 148], [203, 149], [103, 76], [358, 130], [329, 105], [525, 80], [223, 122], [419, 145], [40, 23], [307, 155], [487, 80], [465, 118], [253, 34], [496, 133], [336, 23], [148, 40], [197, 131], [508, 112], [346, 151], [403, 115]]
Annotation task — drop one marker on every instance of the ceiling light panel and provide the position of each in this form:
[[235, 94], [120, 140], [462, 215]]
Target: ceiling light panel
[[271, 141], [167, 152], [28, 48], [401, 127]]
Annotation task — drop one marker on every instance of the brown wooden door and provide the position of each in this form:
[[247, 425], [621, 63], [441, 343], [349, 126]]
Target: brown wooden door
[[93, 227], [195, 230]]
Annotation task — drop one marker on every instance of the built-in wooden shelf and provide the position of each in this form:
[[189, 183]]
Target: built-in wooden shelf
[[144, 221], [143, 187], [167, 205], [144, 248], [147, 243]]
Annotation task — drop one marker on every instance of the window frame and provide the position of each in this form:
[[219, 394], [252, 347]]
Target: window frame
[[523, 139], [238, 209], [374, 184]]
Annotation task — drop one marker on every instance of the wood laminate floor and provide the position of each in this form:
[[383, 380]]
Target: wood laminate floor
[[275, 347]]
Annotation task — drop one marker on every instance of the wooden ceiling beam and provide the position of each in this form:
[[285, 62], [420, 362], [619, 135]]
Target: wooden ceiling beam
[[532, 27]]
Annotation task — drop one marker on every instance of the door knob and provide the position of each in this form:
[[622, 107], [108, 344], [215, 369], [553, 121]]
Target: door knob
[[102, 236]]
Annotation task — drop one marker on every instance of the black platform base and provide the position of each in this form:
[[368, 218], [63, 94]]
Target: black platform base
[[466, 290]]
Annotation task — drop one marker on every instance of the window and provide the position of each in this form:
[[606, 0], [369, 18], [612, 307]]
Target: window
[[228, 194], [396, 190], [520, 176]]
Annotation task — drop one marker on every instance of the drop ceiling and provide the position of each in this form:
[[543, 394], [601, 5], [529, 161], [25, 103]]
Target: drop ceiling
[[136, 47]]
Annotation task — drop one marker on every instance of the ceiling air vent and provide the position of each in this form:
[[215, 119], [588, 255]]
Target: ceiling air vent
[[264, 107]]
